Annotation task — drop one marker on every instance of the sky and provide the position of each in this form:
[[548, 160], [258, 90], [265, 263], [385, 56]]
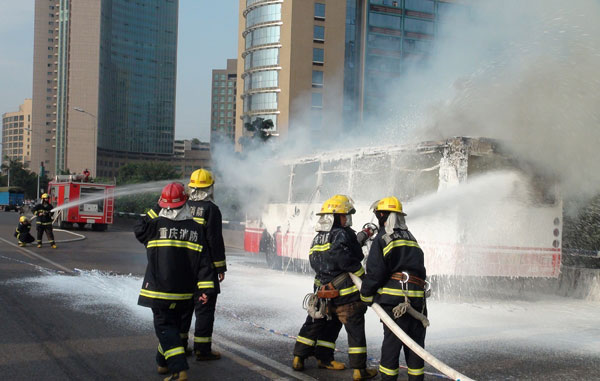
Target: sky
[[207, 38]]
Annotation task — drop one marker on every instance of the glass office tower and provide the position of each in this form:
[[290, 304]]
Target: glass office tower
[[138, 65]]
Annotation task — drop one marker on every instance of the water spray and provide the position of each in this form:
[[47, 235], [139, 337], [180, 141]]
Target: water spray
[[126, 190]]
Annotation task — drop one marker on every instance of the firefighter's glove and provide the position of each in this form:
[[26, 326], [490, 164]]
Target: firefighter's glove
[[203, 299], [367, 232]]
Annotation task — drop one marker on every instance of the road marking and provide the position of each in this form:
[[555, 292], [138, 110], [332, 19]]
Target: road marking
[[250, 365], [265, 360], [70, 271]]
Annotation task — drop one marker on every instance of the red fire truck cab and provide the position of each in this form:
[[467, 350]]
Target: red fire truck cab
[[92, 203]]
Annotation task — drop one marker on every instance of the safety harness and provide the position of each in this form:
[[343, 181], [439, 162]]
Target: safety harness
[[317, 304], [405, 306]]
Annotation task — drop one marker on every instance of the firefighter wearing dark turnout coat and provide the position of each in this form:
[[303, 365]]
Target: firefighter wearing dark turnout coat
[[179, 267], [395, 269], [43, 222], [206, 213], [335, 251], [22, 232]]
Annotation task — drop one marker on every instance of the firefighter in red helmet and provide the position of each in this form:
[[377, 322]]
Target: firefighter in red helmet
[[179, 267]]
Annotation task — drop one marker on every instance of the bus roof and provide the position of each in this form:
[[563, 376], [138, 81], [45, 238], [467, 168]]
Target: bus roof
[[476, 147]]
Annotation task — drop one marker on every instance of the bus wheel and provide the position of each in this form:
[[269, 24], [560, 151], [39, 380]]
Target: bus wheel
[[99, 227]]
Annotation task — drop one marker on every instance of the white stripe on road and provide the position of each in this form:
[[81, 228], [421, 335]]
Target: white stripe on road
[[250, 365], [31, 253], [265, 360]]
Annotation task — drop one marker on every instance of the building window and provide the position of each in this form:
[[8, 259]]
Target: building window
[[316, 100], [317, 78], [319, 11], [318, 56], [385, 21], [319, 33]]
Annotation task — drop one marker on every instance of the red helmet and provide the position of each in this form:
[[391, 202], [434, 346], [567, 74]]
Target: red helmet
[[172, 196]]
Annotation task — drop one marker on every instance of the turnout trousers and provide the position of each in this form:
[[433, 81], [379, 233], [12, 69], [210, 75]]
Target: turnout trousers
[[45, 227], [317, 336], [205, 319], [170, 351], [392, 345], [25, 238]]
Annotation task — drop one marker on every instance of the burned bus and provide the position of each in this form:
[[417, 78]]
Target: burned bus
[[475, 210]]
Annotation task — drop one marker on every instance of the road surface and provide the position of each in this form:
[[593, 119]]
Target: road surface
[[71, 314]]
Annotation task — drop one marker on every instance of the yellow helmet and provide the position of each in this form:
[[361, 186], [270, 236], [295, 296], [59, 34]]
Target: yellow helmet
[[201, 178], [338, 204], [23, 219], [45, 196], [389, 204]]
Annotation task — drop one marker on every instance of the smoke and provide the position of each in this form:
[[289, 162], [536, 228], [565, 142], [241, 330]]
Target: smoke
[[520, 72], [523, 73]]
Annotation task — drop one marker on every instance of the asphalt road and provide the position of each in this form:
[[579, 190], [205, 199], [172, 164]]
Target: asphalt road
[[58, 323], [42, 338]]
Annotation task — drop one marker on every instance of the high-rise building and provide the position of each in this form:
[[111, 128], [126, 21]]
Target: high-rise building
[[16, 135], [190, 155], [108, 94], [223, 111], [318, 64]]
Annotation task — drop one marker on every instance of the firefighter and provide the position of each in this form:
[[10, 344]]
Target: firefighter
[[335, 251], [44, 214], [208, 215], [22, 232], [178, 268], [395, 278]]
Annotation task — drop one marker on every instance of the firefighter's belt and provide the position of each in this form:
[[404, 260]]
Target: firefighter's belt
[[330, 290], [404, 277]]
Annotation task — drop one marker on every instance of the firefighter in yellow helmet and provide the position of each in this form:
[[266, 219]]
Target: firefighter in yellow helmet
[[44, 214], [207, 214], [335, 252], [22, 232], [396, 276]]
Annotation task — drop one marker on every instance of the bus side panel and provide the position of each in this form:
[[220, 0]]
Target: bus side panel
[[252, 239]]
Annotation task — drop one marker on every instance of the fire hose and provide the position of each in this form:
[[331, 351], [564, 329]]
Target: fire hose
[[410, 343]]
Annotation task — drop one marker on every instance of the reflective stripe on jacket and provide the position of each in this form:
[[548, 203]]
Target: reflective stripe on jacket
[[396, 252], [178, 262], [333, 253]]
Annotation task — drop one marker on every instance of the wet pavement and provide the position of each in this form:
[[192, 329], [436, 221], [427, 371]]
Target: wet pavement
[[88, 326]]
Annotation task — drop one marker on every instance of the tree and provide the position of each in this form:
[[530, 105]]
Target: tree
[[260, 132], [144, 172], [582, 232], [135, 173], [22, 177], [195, 141]]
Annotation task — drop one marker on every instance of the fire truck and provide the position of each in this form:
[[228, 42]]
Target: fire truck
[[79, 201]]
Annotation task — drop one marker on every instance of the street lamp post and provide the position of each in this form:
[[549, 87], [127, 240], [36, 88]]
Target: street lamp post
[[95, 129]]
